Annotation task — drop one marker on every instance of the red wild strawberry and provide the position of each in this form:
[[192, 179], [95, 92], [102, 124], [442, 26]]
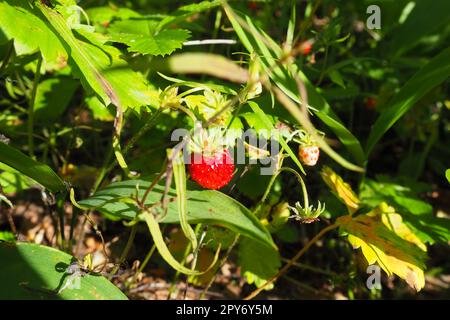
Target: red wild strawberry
[[309, 154], [212, 171], [306, 47], [371, 103], [252, 5]]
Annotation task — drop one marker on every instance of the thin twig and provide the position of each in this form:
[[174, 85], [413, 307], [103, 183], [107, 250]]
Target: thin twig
[[292, 261]]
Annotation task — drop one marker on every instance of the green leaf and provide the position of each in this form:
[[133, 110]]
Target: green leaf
[[193, 84], [106, 14], [13, 181], [204, 206], [258, 263], [99, 110], [408, 35], [447, 174], [417, 214], [38, 171], [287, 83], [336, 77], [100, 66], [7, 236], [432, 74], [53, 95], [162, 43], [264, 119], [19, 21], [32, 271], [186, 11], [341, 189]]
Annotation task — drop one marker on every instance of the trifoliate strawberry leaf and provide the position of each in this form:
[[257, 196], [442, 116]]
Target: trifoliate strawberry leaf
[[21, 22], [387, 242], [162, 43], [258, 262]]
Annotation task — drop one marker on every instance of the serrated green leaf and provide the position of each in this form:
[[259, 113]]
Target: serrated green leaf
[[162, 43]]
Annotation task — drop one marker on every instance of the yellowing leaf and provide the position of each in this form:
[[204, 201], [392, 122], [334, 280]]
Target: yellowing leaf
[[341, 189], [393, 221], [384, 245]]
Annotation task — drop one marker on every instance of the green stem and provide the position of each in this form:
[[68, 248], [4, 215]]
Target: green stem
[[7, 57], [222, 262], [302, 183], [145, 128], [144, 263], [125, 251], [32, 102], [322, 72]]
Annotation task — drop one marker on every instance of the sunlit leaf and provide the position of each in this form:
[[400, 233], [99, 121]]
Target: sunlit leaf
[[162, 43], [416, 213], [35, 272], [204, 206], [40, 172], [19, 21], [382, 245], [100, 66], [258, 263], [287, 83], [340, 189]]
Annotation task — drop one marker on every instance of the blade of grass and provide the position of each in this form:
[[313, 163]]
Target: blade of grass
[[432, 74]]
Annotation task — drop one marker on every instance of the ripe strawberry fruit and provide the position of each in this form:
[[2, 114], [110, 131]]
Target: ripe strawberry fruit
[[371, 103], [252, 5], [309, 154], [306, 47], [212, 171]]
